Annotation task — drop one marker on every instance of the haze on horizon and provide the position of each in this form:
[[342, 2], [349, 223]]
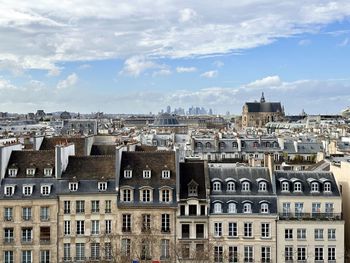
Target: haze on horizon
[[140, 56]]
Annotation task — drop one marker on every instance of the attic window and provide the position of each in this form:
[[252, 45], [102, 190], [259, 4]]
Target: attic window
[[297, 187], [245, 187], [9, 190], [165, 174], [314, 187], [192, 189], [128, 174], [45, 189], [73, 186], [47, 171], [30, 171], [146, 174], [285, 187], [262, 186], [12, 172], [102, 186], [327, 187], [27, 190]]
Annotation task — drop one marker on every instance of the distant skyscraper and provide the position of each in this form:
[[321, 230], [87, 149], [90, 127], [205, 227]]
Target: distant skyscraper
[[168, 109]]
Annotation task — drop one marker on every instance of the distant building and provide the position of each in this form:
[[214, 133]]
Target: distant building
[[257, 114]]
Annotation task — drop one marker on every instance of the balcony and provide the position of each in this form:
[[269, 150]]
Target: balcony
[[67, 259], [26, 241], [44, 218], [80, 258], [8, 218], [45, 242], [165, 230], [95, 258], [8, 240], [27, 218], [310, 216], [126, 229]]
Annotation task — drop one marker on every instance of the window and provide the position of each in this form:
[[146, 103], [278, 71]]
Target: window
[[216, 186], [245, 186], [45, 256], [314, 187], [264, 208], [299, 209], [265, 254], [248, 254], [80, 206], [199, 230], [44, 213], [185, 251], [288, 253], [288, 233], [247, 208], [128, 174], [27, 213], [231, 186], [145, 249], [265, 230], [12, 172], [95, 251], [185, 230], [95, 227], [319, 253], [45, 189], [286, 209], [8, 256], [30, 171], [218, 254], [8, 213], [232, 208], [108, 206], [26, 256], [192, 210], [165, 222], [47, 172], [27, 190], [192, 188], [73, 187], [126, 247], [301, 253], [316, 209], [331, 254], [165, 249], [232, 254], [331, 234], [262, 187], [297, 187], [95, 206], [217, 208], [208, 145], [165, 196], [329, 208], [232, 229], [217, 229], [8, 235], [126, 197], [66, 207], [66, 252], [27, 234], [165, 174], [327, 187], [248, 229], [80, 251], [80, 227], [146, 195], [102, 186], [146, 174], [301, 233], [108, 226], [108, 251], [9, 190], [67, 229], [126, 223], [318, 234]]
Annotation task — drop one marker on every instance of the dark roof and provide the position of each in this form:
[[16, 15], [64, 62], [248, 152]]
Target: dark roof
[[90, 167], [145, 148], [86, 187], [103, 149], [50, 143], [264, 106], [32, 159], [193, 171], [305, 177]]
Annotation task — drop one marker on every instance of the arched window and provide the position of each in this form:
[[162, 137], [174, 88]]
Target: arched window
[[285, 187], [216, 186], [262, 187], [268, 144], [232, 208], [242, 144], [255, 144], [199, 145], [231, 186], [222, 145], [245, 186], [217, 208], [234, 145], [327, 187], [314, 187], [247, 208], [275, 144], [208, 145], [297, 187], [264, 208]]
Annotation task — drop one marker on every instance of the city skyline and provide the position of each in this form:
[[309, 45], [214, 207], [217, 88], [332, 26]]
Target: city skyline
[[139, 57]]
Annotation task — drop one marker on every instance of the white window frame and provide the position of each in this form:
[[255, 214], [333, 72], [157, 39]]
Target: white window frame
[[217, 229], [166, 174], [265, 230], [73, 186], [315, 187], [262, 186], [264, 208], [9, 190], [30, 171], [45, 189], [216, 186], [245, 186], [217, 208], [297, 187], [327, 187], [285, 187], [12, 172], [48, 172], [165, 195], [27, 190], [232, 208], [128, 174], [146, 174], [248, 229], [247, 208], [231, 186], [102, 186]]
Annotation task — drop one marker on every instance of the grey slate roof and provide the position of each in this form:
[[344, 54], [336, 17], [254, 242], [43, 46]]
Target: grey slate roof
[[192, 171]]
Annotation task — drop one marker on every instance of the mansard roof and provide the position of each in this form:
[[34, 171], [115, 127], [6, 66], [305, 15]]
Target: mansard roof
[[193, 172]]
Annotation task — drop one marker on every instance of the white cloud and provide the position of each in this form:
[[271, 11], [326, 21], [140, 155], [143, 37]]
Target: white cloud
[[269, 81], [6, 84], [218, 64], [134, 66], [187, 14], [185, 69], [210, 74], [304, 42], [162, 72], [69, 82]]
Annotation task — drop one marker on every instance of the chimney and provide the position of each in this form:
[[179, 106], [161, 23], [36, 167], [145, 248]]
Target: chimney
[[270, 165], [62, 153]]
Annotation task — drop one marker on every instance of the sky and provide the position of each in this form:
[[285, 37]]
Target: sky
[[138, 56]]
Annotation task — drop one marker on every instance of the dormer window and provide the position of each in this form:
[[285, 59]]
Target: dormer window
[[30, 171], [217, 208], [314, 187], [231, 186], [146, 195], [12, 172], [245, 187], [264, 208], [146, 174], [232, 208], [27, 190], [102, 186], [165, 174], [327, 187], [234, 145], [255, 144], [73, 186], [9, 190], [262, 187], [247, 208], [216, 186], [128, 174], [45, 189], [192, 188], [208, 145], [285, 187], [297, 187], [48, 172]]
